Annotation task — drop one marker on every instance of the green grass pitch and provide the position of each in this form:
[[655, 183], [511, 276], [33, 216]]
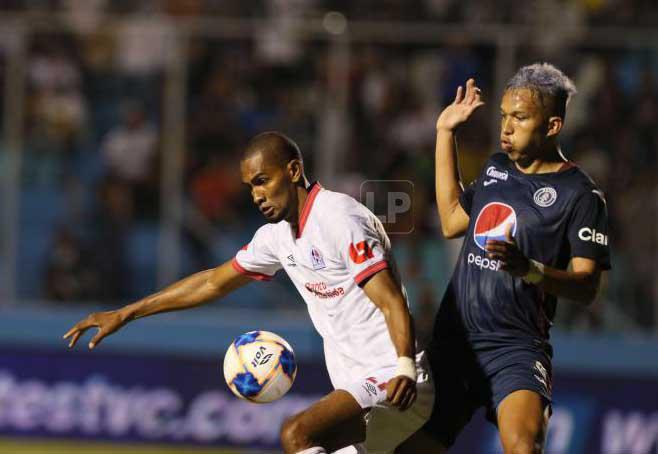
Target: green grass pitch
[[31, 446]]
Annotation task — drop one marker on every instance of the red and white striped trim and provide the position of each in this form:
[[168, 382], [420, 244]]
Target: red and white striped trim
[[257, 276], [370, 271]]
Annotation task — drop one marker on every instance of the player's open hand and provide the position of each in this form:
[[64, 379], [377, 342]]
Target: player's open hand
[[461, 109], [106, 322], [401, 392], [509, 255]]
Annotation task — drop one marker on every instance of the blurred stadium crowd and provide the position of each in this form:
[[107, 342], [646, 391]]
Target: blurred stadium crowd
[[588, 12], [93, 136]]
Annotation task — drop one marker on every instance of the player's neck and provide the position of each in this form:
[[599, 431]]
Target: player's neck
[[302, 195], [548, 161]]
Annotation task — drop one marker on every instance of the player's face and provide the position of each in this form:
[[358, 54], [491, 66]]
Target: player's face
[[272, 189], [523, 125]]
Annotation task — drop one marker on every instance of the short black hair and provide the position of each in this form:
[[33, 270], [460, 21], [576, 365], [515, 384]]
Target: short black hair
[[277, 145], [554, 88]]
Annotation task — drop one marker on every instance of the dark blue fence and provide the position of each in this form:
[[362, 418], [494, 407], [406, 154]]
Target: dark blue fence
[[177, 399]]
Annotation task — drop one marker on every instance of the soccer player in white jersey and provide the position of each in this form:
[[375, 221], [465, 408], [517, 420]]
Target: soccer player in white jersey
[[337, 254]]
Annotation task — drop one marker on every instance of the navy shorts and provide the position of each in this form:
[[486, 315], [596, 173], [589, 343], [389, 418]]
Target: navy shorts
[[468, 375]]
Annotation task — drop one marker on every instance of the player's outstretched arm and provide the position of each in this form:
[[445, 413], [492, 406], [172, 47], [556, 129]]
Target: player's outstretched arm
[[454, 220], [385, 293], [190, 292]]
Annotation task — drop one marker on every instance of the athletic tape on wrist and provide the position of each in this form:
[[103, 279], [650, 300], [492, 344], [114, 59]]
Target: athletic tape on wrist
[[535, 272], [406, 367]]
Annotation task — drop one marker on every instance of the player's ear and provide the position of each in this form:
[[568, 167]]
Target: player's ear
[[554, 126], [295, 170]]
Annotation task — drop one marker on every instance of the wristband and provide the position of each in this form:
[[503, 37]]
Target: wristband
[[406, 367], [535, 272]]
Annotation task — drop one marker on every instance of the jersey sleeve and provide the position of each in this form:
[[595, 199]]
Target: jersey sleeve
[[588, 229], [257, 259], [466, 197], [362, 244]]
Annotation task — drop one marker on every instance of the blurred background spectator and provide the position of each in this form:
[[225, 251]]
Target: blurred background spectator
[[129, 153]]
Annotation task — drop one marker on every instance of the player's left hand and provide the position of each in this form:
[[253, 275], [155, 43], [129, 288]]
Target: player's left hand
[[401, 392], [508, 253]]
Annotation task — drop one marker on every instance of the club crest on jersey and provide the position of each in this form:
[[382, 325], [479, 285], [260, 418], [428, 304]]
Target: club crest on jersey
[[545, 197], [316, 259], [492, 223]]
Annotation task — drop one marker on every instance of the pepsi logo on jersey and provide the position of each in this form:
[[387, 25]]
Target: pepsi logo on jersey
[[492, 223], [483, 263]]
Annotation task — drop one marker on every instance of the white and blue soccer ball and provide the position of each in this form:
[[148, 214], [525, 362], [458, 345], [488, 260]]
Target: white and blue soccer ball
[[259, 366]]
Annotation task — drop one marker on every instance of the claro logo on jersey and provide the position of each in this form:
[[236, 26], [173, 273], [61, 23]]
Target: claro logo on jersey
[[589, 234], [492, 223]]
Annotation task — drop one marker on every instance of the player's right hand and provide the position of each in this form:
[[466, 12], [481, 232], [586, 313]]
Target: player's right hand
[[461, 109], [106, 322], [401, 392]]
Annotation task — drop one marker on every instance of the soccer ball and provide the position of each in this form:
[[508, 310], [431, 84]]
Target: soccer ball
[[259, 366]]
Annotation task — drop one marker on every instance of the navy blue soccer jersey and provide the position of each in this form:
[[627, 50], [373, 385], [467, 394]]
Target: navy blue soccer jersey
[[553, 217]]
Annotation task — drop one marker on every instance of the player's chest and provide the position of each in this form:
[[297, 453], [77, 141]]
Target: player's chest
[[306, 260], [535, 205]]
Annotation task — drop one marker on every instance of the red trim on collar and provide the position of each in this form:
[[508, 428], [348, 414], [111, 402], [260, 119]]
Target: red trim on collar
[[308, 204], [566, 166]]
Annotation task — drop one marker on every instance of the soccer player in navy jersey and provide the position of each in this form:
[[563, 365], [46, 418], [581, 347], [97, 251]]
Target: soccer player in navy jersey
[[535, 229]]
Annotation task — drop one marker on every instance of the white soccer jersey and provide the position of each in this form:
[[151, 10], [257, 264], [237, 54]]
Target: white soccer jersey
[[338, 245]]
